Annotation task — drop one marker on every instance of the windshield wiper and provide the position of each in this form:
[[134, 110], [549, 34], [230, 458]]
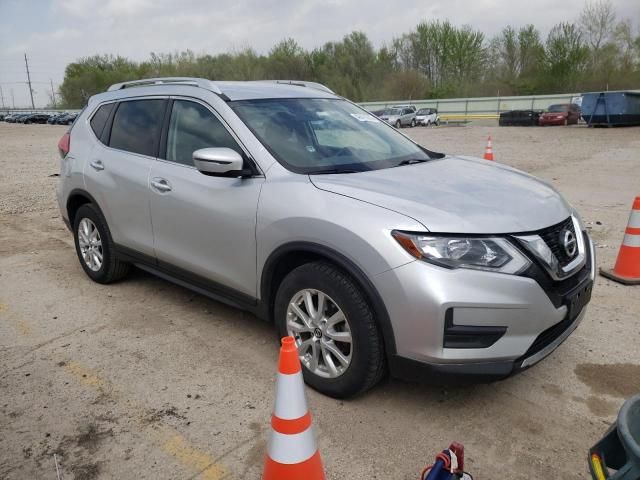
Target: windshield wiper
[[332, 171], [411, 161]]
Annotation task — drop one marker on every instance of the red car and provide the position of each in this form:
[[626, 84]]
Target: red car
[[560, 114]]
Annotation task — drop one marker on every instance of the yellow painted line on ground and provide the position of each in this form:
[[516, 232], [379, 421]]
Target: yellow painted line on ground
[[84, 375], [178, 447], [173, 443], [23, 327]]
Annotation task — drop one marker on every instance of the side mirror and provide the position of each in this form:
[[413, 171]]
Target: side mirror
[[220, 162]]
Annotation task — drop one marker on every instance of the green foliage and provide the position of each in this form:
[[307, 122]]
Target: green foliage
[[435, 60]]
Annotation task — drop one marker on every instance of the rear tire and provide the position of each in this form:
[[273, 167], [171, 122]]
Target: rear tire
[[95, 248], [413, 123], [365, 351]]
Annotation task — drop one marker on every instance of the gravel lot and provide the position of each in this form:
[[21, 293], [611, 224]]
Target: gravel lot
[[144, 379]]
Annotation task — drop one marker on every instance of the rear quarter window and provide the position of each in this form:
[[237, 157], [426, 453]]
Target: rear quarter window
[[99, 119], [137, 125]]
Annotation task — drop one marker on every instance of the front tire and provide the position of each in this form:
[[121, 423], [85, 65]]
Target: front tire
[[398, 124], [339, 344], [95, 248], [413, 123]]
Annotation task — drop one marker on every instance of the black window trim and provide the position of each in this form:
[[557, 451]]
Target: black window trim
[[106, 134], [107, 125], [162, 152]]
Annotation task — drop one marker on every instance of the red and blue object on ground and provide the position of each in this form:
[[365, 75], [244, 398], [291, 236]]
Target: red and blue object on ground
[[449, 465]]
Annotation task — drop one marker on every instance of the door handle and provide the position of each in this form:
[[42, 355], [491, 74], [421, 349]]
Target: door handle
[[161, 184], [97, 165]]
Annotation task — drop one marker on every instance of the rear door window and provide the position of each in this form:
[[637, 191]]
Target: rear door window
[[137, 125], [192, 126], [99, 119]]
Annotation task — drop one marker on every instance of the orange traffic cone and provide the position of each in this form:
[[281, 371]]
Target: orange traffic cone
[[488, 151], [627, 268], [292, 453]]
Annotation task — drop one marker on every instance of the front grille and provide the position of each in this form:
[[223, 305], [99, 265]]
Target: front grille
[[557, 290], [553, 238]]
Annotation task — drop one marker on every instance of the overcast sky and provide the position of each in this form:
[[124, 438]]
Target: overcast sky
[[56, 32]]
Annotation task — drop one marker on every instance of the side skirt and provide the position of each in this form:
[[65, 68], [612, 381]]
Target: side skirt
[[193, 282]]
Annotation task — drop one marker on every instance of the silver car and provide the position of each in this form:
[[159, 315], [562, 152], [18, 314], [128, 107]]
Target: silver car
[[399, 117], [427, 117], [281, 198]]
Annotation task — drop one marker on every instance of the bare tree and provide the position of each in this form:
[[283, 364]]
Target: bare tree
[[596, 22]]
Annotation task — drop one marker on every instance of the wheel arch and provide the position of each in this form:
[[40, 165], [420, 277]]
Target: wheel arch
[[78, 197], [291, 255]]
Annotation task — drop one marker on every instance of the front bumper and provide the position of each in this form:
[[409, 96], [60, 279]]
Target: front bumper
[[418, 295], [552, 121]]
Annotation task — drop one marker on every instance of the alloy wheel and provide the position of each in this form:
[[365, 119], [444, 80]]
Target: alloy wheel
[[90, 244], [321, 331]]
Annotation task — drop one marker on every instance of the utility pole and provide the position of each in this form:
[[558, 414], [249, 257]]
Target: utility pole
[[26, 63], [13, 100], [2, 96], [53, 94]]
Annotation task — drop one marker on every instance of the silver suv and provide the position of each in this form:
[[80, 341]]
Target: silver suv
[[286, 200], [400, 116]]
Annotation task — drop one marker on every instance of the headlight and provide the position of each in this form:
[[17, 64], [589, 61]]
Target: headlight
[[489, 253]]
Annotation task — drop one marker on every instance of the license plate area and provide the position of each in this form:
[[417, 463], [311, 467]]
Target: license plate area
[[577, 300]]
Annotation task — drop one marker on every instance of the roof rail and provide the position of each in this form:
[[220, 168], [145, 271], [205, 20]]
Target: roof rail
[[302, 83], [146, 82]]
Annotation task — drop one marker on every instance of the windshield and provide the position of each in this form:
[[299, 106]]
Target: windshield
[[393, 111], [558, 108], [424, 111], [318, 135]]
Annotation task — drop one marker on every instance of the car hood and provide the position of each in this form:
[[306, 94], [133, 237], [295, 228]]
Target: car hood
[[456, 195], [553, 114]]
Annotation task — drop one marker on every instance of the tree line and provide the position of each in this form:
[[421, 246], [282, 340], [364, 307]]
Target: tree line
[[437, 59]]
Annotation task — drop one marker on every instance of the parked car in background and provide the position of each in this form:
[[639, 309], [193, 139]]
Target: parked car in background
[[66, 119], [427, 117], [400, 116], [520, 118], [560, 114], [378, 113], [371, 251], [22, 117], [53, 119], [36, 118]]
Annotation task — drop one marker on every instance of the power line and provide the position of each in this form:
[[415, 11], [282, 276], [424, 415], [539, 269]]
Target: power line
[[22, 83]]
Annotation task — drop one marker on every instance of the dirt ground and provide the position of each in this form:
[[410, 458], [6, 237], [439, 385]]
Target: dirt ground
[[144, 379]]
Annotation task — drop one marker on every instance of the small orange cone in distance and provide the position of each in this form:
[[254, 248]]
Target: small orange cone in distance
[[627, 268], [488, 151], [292, 453]]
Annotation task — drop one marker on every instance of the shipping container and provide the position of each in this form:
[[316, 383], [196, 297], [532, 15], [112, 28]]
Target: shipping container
[[611, 108]]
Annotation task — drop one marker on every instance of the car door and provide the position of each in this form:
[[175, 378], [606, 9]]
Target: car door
[[117, 171], [408, 116], [204, 226]]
